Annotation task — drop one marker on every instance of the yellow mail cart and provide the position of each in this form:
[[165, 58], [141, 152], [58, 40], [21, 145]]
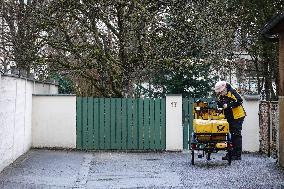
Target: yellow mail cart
[[210, 131]]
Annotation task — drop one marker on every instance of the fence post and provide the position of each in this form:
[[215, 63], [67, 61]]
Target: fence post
[[281, 131], [174, 130], [269, 129]]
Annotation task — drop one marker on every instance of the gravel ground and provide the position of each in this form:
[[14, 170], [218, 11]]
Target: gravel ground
[[73, 169]]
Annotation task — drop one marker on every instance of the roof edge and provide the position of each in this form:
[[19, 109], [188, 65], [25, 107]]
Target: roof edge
[[266, 29]]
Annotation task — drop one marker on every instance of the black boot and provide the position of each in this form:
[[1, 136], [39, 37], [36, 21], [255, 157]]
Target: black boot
[[234, 157], [226, 157]]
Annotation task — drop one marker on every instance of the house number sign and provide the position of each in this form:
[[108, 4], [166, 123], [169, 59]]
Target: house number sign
[[174, 104]]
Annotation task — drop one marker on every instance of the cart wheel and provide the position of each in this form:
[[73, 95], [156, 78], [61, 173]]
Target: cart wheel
[[192, 157], [229, 157]]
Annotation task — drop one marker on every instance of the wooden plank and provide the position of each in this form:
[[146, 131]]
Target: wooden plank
[[190, 117], [135, 124], [96, 128], [163, 124], [79, 122], [113, 123], [140, 124], [102, 123], [185, 105], [107, 124], [129, 123], [90, 122], [152, 124], [146, 124], [118, 123], [157, 128], [85, 123], [124, 124]]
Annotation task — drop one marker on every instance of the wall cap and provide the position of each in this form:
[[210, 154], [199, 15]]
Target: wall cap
[[54, 95], [252, 97], [29, 79], [173, 94]]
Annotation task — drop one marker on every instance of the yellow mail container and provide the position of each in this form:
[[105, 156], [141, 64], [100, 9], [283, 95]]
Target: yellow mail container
[[220, 126], [210, 126], [202, 126]]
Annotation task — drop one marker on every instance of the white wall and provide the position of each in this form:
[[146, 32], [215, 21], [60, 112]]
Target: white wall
[[15, 117], [54, 121], [174, 129], [45, 88], [250, 131]]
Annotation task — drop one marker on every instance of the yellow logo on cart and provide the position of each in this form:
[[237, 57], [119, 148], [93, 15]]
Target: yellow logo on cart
[[220, 128]]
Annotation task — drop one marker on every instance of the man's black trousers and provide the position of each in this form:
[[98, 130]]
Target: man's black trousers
[[236, 136]]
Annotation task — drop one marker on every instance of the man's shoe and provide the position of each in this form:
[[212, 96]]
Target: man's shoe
[[236, 158], [226, 157]]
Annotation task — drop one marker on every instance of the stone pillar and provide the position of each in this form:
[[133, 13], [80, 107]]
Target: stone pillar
[[281, 64], [174, 129], [281, 131], [281, 99], [250, 131]]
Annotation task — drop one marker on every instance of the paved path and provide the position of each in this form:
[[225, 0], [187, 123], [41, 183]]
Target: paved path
[[44, 169]]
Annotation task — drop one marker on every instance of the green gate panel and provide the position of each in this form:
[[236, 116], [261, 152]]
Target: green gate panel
[[190, 119], [120, 124], [102, 124], [163, 123], [187, 121], [85, 123], [152, 125], [113, 123], [79, 123], [157, 129], [90, 121], [135, 125], [96, 127], [140, 125], [107, 130], [124, 124], [146, 124], [129, 123]]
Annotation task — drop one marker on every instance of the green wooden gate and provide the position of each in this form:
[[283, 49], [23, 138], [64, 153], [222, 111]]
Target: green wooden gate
[[187, 118], [121, 124]]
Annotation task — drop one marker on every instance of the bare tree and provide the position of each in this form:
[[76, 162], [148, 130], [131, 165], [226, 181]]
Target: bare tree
[[20, 36]]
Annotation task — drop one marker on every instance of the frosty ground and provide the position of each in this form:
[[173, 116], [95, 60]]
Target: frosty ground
[[76, 169]]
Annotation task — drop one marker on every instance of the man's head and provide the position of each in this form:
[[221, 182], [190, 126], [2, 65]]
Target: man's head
[[220, 88]]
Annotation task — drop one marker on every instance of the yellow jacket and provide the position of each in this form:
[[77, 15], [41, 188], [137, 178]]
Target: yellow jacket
[[238, 111], [234, 101]]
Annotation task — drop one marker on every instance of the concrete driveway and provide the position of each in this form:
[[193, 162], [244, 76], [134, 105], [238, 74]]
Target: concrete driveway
[[73, 169]]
